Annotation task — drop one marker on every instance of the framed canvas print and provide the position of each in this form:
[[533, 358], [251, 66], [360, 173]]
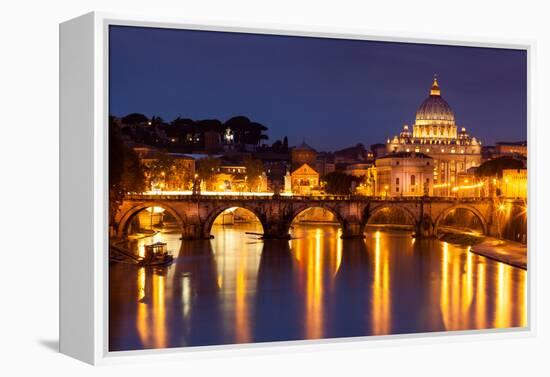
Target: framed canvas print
[[233, 188]]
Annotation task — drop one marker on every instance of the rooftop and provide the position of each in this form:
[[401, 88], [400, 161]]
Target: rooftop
[[405, 155]]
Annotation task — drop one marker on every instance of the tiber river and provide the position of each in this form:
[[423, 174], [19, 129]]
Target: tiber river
[[236, 288]]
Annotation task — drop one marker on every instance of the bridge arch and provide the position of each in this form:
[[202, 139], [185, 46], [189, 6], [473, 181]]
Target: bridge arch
[[467, 207], [213, 215], [128, 215], [370, 214], [305, 207]]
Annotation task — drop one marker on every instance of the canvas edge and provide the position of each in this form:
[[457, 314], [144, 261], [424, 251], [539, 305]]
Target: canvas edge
[[76, 192]]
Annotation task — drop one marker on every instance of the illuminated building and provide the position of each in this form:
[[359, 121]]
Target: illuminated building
[[325, 164], [183, 168], [511, 148], [369, 176], [305, 180], [358, 170], [288, 183], [230, 177], [514, 183], [367, 173], [378, 150], [404, 174], [353, 155], [166, 171], [435, 133], [234, 177], [303, 154], [469, 186]]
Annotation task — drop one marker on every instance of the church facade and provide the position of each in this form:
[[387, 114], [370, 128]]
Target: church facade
[[436, 134]]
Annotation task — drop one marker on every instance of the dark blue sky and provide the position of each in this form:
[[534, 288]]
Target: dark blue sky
[[334, 93]]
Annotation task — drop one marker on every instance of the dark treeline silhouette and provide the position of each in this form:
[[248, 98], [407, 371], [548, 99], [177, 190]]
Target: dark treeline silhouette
[[339, 183], [188, 135], [494, 167], [126, 174]]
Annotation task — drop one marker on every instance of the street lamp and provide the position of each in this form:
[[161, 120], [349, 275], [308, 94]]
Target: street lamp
[[500, 211]]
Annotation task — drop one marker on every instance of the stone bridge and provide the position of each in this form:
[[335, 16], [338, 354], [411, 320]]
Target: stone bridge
[[196, 213]]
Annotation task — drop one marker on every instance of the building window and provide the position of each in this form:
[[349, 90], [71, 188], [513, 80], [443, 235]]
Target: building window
[[397, 189], [397, 181], [413, 179]]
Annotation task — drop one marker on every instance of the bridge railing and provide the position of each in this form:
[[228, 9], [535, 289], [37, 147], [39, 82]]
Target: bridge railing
[[309, 198]]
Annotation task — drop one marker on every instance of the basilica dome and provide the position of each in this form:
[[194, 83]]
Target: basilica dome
[[435, 110]]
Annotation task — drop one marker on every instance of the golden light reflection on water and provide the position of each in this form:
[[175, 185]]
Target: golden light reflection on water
[[381, 295], [502, 312], [338, 250], [463, 290], [238, 258], [465, 307], [318, 253], [151, 311], [481, 299], [241, 305]]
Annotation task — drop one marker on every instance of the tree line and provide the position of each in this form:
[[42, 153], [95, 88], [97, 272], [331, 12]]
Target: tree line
[[186, 135]]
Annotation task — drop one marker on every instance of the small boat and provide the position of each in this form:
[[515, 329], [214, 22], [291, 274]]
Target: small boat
[[156, 254]]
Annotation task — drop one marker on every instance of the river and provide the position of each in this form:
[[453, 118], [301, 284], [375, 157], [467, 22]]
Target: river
[[236, 288]]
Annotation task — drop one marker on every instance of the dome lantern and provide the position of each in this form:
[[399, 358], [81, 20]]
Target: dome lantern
[[435, 88]]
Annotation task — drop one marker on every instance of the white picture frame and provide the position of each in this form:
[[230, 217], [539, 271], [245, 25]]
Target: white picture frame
[[84, 193]]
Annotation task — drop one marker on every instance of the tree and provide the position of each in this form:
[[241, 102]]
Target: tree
[[285, 144], [207, 169], [338, 183], [254, 171], [161, 170], [245, 131], [277, 146], [494, 167], [157, 121], [125, 171], [135, 119]]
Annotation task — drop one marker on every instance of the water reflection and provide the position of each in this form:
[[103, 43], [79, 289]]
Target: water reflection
[[381, 296], [238, 289], [316, 256], [237, 262]]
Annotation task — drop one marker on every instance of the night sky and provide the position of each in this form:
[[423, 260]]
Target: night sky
[[333, 93]]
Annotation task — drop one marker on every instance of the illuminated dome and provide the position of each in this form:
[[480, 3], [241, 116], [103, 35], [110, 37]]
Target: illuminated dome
[[434, 110]]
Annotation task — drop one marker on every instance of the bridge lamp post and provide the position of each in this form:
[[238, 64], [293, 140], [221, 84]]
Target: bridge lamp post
[[386, 187], [196, 185], [260, 183]]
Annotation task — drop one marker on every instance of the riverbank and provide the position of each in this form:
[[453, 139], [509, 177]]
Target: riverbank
[[465, 239], [509, 252]]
